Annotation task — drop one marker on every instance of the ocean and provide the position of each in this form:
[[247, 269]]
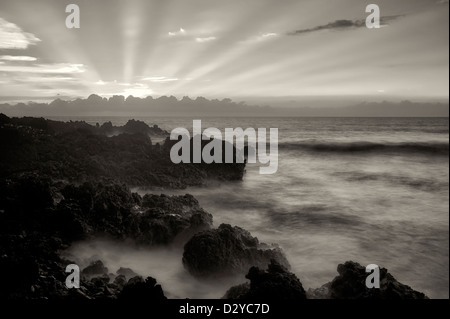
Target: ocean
[[371, 190]]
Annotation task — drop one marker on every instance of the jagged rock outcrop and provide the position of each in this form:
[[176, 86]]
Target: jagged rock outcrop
[[72, 212], [58, 127], [39, 218], [61, 182], [275, 283], [226, 251], [351, 284], [79, 152]]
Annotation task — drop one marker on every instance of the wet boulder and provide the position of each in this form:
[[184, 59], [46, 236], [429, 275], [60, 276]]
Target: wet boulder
[[275, 283], [227, 251], [351, 284], [168, 219]]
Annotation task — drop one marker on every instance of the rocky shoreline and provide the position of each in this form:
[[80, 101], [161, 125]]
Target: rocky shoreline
[[63, 182]]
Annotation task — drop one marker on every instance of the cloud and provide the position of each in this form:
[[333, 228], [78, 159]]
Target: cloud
[[267, 35], [112, 88], [206, 39], [261, 37], [159, 79], [45, 78], [50, 68], [13, 37], [180, 32], [17, 58], [136, 90], [343, 25]]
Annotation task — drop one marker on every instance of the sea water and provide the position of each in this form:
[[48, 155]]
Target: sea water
[[371, 190]]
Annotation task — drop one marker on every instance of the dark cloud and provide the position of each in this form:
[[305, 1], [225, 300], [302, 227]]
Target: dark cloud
[[343, 25]]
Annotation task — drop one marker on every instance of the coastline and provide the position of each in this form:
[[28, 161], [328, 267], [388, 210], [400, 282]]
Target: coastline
[[43, 212]]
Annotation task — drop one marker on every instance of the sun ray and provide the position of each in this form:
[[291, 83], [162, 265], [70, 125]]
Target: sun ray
[[131, 33], [63, 45]]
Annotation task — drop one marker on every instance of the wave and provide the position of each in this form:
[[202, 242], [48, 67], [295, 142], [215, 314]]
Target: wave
[[313, 216], [428, 148], [424, 184]]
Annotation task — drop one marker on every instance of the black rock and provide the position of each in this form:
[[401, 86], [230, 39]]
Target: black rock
[[27, 204], [238, 292], [120, 281], [94, 269], [21, 272], [168, 219], [40, 217], [79, 152], [134, 126], [100, 283], [275, 283], [351, 284], [126, 272], [139, 290], [107, 127], [227, 251], [4, 119]]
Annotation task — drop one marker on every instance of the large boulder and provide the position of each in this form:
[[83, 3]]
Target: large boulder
[[351, 284], [168, 219], [227, 251], [275, 283]]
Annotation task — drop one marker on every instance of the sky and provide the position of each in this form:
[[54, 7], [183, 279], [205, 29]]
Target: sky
[[221, 49]]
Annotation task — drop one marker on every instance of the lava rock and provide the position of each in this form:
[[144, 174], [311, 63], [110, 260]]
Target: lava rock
[[169, 219], [275, 283], [120, 281], [351, 284], [139, 290], [94, 269], [114, 211], [4, 119], [79, 152], [227, 251], [126, 272], [238, 292], [134, 126]]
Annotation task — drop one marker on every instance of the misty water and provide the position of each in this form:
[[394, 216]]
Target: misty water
[[371, 190]]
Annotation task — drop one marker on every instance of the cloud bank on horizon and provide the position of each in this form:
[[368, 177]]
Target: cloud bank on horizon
[[223, 49]]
